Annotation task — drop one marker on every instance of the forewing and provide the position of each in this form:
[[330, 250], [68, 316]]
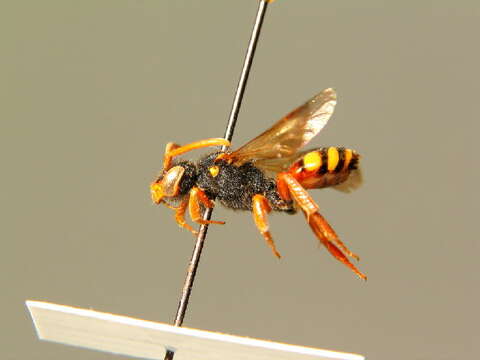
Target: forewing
[[290, 133], [276, 165]]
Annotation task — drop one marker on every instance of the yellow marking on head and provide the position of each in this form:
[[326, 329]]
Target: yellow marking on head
[[214, 170], [312, 161], [348, 157], [156, 192], [333, 157]]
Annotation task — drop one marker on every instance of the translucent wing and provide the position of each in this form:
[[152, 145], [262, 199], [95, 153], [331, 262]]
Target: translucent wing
[[277, 165], [353, 182], [290, 133]]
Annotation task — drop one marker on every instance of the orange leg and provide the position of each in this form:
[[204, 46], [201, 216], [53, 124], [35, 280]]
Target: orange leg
[[180, 215], [173, 149], [331, 235], [320, 227], [260, 210], [286, 182], [168, 205], [197, 196], [167, 163], [282, 188], [317, 224]]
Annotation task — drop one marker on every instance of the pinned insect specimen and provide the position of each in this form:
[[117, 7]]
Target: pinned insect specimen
[[269, 173]]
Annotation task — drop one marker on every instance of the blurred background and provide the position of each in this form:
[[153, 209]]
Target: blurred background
[[92, 91]]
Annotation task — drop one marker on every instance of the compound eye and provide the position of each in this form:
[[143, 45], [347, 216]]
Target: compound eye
[[171, 181]]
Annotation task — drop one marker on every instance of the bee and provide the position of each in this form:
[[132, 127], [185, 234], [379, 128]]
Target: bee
[[269, 173]]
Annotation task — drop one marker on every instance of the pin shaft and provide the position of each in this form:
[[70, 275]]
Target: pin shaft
[[232, 120]]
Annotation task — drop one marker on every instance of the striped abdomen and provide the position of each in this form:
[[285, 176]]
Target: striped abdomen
[[324, 167]]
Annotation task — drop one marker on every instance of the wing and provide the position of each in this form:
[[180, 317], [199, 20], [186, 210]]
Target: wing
[[277, 165], [289, 134], [353, 182]]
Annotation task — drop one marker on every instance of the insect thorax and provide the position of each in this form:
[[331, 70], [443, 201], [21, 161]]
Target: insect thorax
[[234, 186]]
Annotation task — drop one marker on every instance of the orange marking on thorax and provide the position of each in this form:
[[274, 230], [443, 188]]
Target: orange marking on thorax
[[225, 157]]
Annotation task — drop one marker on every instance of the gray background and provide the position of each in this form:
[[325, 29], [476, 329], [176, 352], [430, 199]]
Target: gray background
[[92, 90]]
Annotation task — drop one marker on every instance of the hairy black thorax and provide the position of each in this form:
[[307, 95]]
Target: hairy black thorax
[[234, 186]]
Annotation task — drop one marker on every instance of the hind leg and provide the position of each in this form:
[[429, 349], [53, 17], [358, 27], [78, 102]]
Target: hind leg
[[260, 210], [331, 235], [317, 224], [289, 187]]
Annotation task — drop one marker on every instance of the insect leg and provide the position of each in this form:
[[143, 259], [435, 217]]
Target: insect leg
[[167, 161], [316, 223], [287, 182], [331, 235], [180, 215], [197, 196], [289, 188], [261, 208], [171, 207], [173, 149], [320, 227]]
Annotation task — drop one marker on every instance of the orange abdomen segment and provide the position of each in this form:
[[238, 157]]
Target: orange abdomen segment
[[324, 167]]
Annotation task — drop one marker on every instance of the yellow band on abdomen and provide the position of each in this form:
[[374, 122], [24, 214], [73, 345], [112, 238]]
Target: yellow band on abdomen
[[333, 157], [312, 161], [348, 157]]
